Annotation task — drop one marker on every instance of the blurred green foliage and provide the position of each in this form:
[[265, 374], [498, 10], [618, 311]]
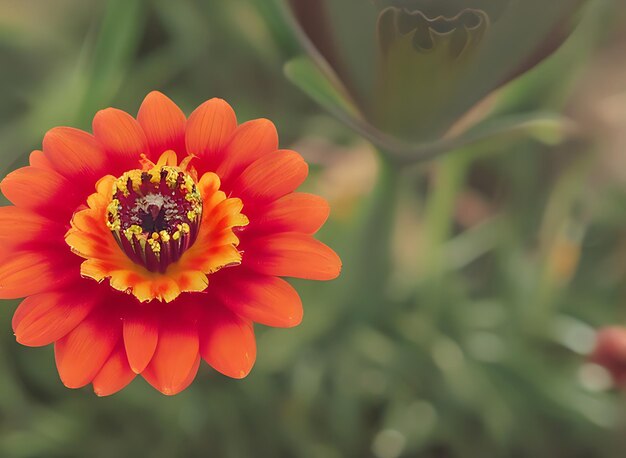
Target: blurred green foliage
[[448, 334]]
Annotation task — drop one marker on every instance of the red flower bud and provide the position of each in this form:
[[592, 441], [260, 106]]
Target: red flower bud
[[610, 353]]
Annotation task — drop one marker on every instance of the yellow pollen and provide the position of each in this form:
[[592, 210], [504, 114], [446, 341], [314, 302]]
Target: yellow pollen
[[154, 245], [132, 231]]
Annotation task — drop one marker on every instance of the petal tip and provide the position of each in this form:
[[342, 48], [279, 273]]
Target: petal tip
[[240, 374], [167, 391], [294, 321], [155, 94], [136, 369], [71, 385], [105, 112], [101, 393]]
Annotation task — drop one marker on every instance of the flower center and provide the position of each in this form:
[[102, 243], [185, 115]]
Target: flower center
[[155, 215], [158, 231]]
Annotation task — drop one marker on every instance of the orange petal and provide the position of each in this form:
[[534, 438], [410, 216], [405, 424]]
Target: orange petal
[[271, 176], [163, 123], [295, 212], [91, 244], [122, 137], [45, 318], [227, 342], [191, 281], [209, 129], [175, 355], [39, 160], [27, 273], [190, 377], [41, 190], [263, 299], [149, 376], [251, 140], [81, 354], [162, 288], [73, 152], [292, 255], [141, 333], [114, 375]]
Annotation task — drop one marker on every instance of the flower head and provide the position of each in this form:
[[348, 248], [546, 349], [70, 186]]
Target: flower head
[[157, 242]]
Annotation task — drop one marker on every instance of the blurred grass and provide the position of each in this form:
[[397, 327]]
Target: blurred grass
[[473, 346]]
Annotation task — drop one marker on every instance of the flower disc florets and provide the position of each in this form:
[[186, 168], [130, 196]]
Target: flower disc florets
[[154, 215]]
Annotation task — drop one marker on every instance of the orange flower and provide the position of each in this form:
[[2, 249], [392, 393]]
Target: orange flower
[[156, 242]]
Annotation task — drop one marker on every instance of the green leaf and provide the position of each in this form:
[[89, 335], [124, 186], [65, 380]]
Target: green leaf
[[117, 41], [74, 94], [322, 87]]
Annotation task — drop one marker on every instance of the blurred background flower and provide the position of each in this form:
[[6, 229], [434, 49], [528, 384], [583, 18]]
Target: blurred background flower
[[412, 69], [610, 353], [470, 341]]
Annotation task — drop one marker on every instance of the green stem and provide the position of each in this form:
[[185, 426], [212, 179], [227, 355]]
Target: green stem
[[439, 212], [369, 263], [438, 227], [562, 227]]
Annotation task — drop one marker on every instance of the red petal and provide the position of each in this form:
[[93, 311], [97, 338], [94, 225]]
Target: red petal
[[74, 153], [251, 140], [41, 190], [227, 342], [27, 273], [292, 255], [271, 176], [263, 299], [209, 129], [175, 355], [164, 124], [34, 229], [82, 353], [141, 333], [44, 318], [122, 137], [295, 212], [114, 375]]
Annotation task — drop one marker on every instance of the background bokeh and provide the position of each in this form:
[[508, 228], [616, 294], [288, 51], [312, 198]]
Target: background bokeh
[[468, 340]]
